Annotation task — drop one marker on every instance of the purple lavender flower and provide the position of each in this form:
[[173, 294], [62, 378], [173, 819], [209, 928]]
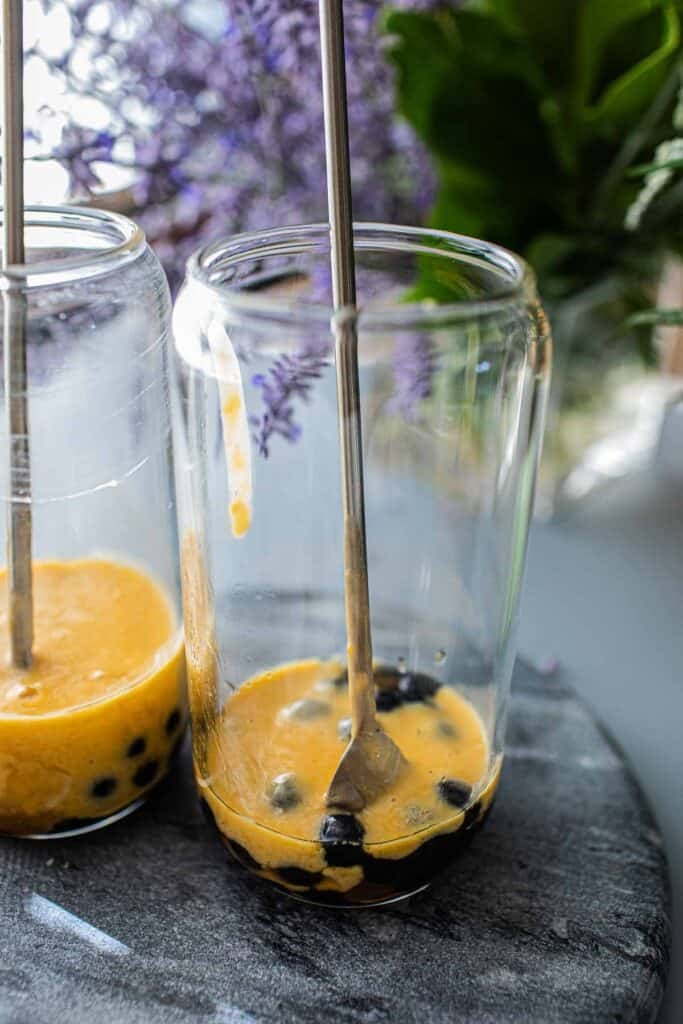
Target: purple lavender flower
[[78, 150], [289, 377], [225, 98], [216, 110], [415, 363]]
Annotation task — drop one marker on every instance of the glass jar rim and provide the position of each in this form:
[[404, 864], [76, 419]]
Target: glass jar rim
[[517, 281], [126, 237]]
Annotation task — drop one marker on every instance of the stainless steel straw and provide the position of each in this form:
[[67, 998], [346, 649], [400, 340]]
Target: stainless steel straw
[[371, 760], [14, 326]]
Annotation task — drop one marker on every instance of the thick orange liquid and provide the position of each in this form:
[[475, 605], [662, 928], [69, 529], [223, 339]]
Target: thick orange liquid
[[286, 722], [90, 726]]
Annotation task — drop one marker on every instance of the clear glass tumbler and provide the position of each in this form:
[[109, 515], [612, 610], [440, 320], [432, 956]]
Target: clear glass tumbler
[[454, 356], [89, 727]]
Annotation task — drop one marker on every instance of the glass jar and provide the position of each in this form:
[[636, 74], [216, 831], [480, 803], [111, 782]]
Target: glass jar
[[454, 357], [90, 726]]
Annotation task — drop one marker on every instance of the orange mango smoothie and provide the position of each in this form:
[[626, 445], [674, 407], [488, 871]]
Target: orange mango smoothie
[[276, 747], [90, 727]]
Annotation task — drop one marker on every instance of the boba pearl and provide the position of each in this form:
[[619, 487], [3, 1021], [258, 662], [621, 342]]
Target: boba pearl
[[341, 836], [137, 747], [387, 700], [104, 787], [341, 828], [283, 792], [455, 792], [415, 687], [386, 678], [146, 773]]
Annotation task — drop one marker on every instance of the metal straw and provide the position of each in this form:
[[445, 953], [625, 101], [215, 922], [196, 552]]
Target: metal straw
[[14, 325], [346, 345]]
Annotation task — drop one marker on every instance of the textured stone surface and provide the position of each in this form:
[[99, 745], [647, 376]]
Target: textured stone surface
[[557, 913]]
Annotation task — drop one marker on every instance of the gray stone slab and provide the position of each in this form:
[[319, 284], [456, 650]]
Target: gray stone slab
[[603, 594], [559, 912]]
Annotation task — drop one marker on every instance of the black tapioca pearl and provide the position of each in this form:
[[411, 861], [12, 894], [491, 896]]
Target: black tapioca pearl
[[306, 709], [341, 836], [416, 686], [341, 828], [283, 792], [137, 747], [386, 677], [173, 721], [454, 792], [146, 773], [387, 700], [444, 728], [103, 787], [299, 876]]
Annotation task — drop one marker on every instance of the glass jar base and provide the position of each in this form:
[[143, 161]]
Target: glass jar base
[[72, 827], [69, 828], [384, 882], [342, 904]]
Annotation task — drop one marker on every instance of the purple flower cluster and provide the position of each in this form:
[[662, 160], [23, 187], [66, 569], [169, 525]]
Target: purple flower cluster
[[216, 109], [415, 362], [289, 377]]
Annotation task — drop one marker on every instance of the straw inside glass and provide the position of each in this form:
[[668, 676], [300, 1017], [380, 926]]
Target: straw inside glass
[[20, 605]]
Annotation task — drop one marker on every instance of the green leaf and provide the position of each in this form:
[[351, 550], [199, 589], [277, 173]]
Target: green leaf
[[451, 59], [551, 256], [421, 53], [656, 318], [534, 112], [473, 92], [548, 28], [467, 202], [598, 23], [625, 98], [640, 170]]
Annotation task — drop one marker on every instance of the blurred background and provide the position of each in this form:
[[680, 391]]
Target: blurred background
[[554, 129], [557, 135]]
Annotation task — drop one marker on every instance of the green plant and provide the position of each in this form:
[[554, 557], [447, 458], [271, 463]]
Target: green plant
[[548, 123]]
